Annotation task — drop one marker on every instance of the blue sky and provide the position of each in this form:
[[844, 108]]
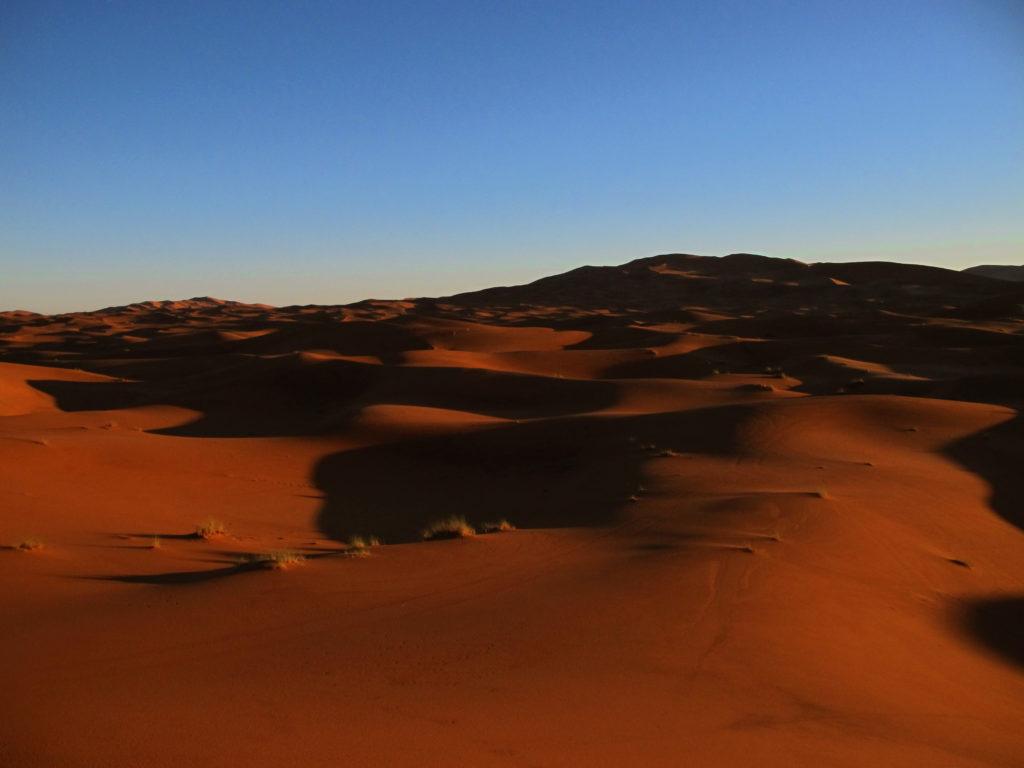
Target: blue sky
[[323, 152]]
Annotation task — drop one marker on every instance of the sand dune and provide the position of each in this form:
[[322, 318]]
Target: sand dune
[[767, 513]]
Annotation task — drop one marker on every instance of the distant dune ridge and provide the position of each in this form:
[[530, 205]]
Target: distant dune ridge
[[998, 271], [197, 302], [727, 511]]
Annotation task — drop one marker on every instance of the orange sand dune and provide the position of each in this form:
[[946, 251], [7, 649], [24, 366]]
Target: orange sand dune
[[767, 513]]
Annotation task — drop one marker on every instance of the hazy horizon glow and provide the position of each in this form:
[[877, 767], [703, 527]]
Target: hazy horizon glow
[[333, 151]]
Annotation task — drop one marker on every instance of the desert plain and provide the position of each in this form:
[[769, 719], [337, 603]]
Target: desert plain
[[759, 513]]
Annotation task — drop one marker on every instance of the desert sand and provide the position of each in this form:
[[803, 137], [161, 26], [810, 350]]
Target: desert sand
[[766, 514]]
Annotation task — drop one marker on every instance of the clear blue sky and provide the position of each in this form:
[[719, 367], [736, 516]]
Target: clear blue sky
[[299, 152]]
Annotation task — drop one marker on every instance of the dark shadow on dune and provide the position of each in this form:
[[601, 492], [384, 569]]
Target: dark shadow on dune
[[619, 333], [500, 394], [994, 362], [569, 472], [255, 397], [92, 395], [997, 455], [348, 338], [999, 624], [242, 397], [534, 475]]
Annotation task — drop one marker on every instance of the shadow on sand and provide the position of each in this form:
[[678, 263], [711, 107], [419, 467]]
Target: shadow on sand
[[555, 473], [236, 563], [999, 624], [288, 396], [997, 455]]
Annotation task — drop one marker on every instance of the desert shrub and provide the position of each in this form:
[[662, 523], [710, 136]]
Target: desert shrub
[[498, 527], [363, 542], [272, 560], [359, 546], [210, 528], [454, 527]]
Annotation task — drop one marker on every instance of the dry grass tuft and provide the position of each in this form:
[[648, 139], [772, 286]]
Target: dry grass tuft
[[361, 542], [454, 527], [498, 527], [359, 546], [210, 529], [276, 561]]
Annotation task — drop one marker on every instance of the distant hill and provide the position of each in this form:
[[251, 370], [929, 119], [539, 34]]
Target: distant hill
[[998, 271], [663, 283], [741, 279]]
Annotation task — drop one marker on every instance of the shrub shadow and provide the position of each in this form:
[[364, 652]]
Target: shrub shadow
[[238, 563]]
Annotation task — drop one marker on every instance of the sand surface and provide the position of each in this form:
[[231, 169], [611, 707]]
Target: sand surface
[[767, 514]]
